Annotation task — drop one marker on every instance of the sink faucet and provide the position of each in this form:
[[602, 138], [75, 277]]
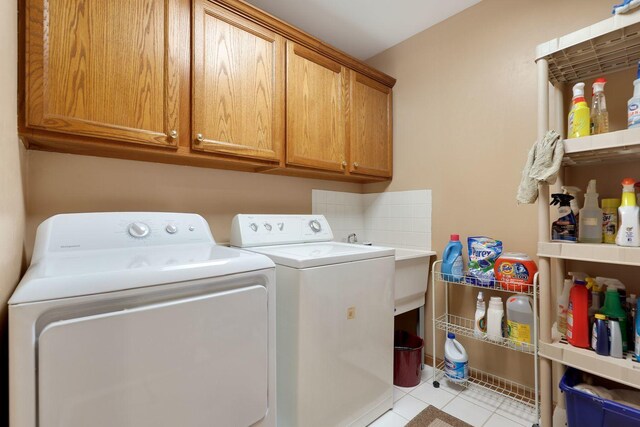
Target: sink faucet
[[352, 238]]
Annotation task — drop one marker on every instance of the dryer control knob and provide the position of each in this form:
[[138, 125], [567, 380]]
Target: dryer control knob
[[268, 226], [171, 229], [253, 226], [315, 226], [139, 230]]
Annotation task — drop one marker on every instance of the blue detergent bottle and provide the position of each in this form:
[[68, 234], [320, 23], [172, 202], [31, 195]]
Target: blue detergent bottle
[[637, 334], [452, 264]]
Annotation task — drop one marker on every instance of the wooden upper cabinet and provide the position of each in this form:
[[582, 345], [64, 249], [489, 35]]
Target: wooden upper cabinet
[[106, 69], [317, 105], [238, 85], [371, 146]]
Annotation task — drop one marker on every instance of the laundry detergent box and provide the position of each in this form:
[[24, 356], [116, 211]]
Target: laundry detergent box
[[483, 253]]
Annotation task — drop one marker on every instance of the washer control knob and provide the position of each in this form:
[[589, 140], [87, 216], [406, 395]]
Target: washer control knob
[[171, 229], [315, 226], [281, 226], [267, 226], [253, 226], [139, 230]]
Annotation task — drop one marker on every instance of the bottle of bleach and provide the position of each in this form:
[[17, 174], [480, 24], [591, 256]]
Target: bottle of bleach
[[452, 264], [456, 361]]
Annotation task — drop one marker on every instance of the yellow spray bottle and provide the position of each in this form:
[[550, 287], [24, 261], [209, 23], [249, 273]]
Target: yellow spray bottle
[[579, 117]]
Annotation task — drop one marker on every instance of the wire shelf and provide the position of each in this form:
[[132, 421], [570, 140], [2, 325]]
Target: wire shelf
[[465, 327], [467, 280], [496, 384]]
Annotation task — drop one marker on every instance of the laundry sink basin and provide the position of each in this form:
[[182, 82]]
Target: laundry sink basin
[[412, 277]]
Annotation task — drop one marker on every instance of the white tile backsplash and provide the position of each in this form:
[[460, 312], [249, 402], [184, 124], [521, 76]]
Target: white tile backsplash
[[398, 218]]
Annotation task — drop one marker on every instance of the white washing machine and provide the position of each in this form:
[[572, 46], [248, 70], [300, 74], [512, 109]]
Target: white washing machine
[[140, 319], [334, 320]]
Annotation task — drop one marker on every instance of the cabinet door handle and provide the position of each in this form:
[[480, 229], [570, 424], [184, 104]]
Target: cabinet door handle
[[173, 134], [199, 138], [344, 164], [355, 165]]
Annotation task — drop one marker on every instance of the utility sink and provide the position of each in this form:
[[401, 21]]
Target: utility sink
[[412, 277]]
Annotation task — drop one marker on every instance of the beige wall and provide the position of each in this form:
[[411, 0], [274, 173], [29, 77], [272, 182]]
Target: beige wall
[[464, 119], [60, 183], [12, 214]]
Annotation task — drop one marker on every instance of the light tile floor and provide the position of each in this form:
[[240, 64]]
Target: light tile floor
[[474, 405]]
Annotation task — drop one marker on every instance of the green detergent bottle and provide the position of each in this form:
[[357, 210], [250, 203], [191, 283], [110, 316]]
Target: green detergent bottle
[[613, 309]]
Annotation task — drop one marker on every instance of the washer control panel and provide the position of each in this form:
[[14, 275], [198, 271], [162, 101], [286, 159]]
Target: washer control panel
[[265, 230]]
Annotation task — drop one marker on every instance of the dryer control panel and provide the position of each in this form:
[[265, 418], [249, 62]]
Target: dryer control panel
[[119, 230], [265, 230]]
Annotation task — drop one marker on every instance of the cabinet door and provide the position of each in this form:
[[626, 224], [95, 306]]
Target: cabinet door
[[371, 146], [105, 69], [238, 85], [317, 105]]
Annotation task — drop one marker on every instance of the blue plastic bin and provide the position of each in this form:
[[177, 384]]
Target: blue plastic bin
[[585, 410]]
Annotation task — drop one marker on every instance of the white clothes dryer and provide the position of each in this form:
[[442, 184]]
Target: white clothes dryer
[[140, 319], [335, 319]]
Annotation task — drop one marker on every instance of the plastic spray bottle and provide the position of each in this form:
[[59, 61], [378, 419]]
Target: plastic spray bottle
[[633, 105], [590, 217], [577, 313], [563, 306], [480, 324], [573, 191], [452, 265], [564, 229], [628, 214], [599, 114], [612, 307], [575, 208], [579, 121]]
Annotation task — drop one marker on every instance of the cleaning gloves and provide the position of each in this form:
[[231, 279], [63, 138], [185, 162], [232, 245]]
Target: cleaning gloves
[[542, 166]]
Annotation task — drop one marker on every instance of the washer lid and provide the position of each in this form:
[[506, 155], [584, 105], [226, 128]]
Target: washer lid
[[80, 273], [307, 255]]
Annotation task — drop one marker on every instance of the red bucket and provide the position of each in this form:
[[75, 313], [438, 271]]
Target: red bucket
[[407, 352]]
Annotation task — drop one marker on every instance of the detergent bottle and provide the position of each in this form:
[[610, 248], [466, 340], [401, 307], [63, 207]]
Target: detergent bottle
[[596, 301], [590, 217], [452, 264], [579, 120], [610, 220], [616, 343], [612, 307], [563, 306], [633, 105], [577, 313], [637, 334], [628, 216], [632, 303], [456, 360], [600, 335]]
